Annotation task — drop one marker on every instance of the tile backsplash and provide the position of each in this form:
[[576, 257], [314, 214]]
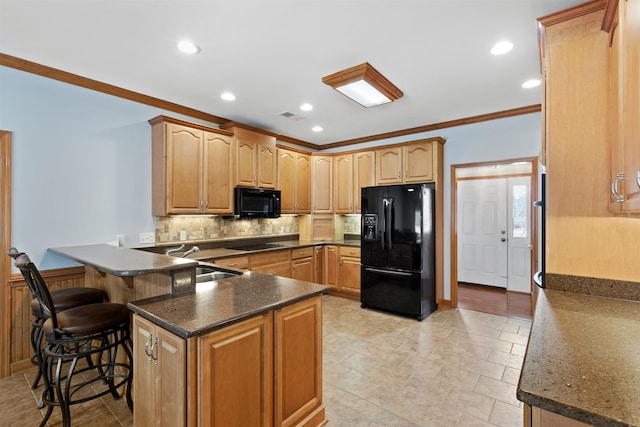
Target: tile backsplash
[[196, 228], [352, 224]]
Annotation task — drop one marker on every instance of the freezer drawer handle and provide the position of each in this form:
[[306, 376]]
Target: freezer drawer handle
[[397, 273]]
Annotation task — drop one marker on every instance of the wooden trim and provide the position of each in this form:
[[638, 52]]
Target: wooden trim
[[173, 120], [533, 194], [572, 12], [451, 123], [294, 149], [5, 264], [74, 79], [609, 16]]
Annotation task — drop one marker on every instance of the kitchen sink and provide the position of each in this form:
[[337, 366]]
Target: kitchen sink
[[207, 273]]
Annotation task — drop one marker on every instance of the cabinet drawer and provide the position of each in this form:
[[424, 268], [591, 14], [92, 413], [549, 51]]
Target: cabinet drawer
[[350, 251], [301, 253], [269, 257], [282, 269], [241, 262]]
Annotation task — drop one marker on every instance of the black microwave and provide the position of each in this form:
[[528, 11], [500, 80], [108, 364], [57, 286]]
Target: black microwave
[[257, 203]]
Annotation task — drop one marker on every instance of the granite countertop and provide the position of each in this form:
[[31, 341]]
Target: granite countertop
[[220, 303], [583, 358], [282, 244], [123, 261]]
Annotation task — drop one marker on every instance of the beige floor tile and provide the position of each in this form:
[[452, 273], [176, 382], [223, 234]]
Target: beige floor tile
[[455, 368], [497, 390]]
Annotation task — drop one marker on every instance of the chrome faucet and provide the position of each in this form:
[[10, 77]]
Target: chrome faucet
[[194, 249], [172, 250]]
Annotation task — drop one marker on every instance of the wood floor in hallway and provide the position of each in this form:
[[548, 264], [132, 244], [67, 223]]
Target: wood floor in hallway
[[495, 301]]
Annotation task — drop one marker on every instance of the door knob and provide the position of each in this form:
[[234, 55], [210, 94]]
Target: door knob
[[503, 240]]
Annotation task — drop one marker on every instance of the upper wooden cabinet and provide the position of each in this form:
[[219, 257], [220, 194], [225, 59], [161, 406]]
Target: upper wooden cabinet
[[256, 157], [364, 175], [625, 107], [192, 168], [352, 172], [343, 191], [322, 179], [406, 163], [294, 181]]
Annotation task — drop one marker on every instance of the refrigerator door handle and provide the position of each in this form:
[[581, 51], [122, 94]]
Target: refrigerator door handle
[[389, 224], [397, 273], [385, 201]]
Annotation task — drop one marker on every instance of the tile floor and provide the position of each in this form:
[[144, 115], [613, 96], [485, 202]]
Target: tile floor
[[456, 368]]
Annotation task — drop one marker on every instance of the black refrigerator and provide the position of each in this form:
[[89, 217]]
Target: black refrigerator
[[398, 249]]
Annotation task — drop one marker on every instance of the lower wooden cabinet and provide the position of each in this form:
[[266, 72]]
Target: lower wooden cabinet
[[275, 263], [342, 270], [235, 376], [160, 375], [298, 364], [263, 371], [303, 264], [349, 270], [538, 417]]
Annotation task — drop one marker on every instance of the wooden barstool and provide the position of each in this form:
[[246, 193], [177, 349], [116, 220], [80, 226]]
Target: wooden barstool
[[63, 299], [94, 332]]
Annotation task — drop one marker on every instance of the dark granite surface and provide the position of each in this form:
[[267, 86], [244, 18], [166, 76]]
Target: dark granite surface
[[593, 286], [220, 303], [583, 358], [122, 261], [218, 252]]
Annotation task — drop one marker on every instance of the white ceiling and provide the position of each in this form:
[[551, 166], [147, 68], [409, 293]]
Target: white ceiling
[[273, 54]]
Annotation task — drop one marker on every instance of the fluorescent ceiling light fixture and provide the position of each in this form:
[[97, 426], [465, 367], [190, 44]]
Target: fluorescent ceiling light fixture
[[317, 128], [364, 84], [531, 83], [228, 96], [188, 47], [501, 48], [306, 107]]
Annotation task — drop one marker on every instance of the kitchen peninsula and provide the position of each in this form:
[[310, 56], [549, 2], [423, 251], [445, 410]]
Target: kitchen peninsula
[[246, 350]]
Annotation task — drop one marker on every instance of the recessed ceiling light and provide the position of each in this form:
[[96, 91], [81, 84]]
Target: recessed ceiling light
[[306, 107], [186, 46], [228, 96], [501, 48], [531, 83], [317, 128]]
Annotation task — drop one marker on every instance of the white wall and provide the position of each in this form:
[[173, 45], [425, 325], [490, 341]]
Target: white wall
[[82, 162]]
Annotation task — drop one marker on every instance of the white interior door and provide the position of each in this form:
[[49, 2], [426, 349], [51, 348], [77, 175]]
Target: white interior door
[[494, 232], [482, 230]]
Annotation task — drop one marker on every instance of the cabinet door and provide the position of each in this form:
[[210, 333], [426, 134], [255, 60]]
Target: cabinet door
[[302, 269], [364, 175], [343, 190], [184, 171], [246, 163], [236, 374], [331, 266], [282, 269], [318, 260], [631, 103], [616, 96], [350, 275], [287, 180], [298, 363], [219, 158], [160, 376], [303, 183], [267, 164], [418, 162], [322, 189], [389, 166], [144, 394]]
